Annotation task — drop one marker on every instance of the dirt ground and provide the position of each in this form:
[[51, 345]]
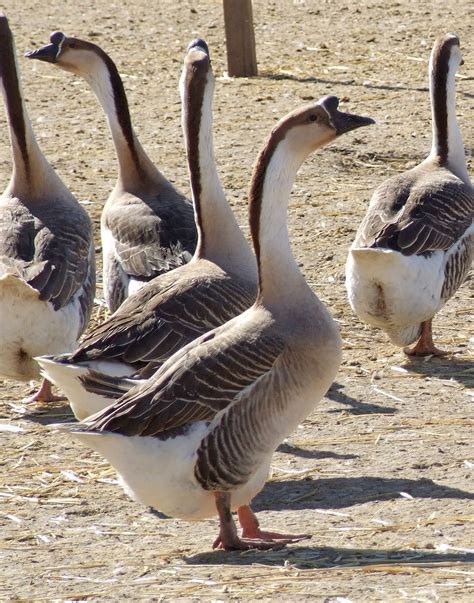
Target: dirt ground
[[382, 472]]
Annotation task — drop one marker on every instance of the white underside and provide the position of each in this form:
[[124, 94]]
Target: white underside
[[395, 292], [67, 378], [134, 285], [160, 474], [30, 327]]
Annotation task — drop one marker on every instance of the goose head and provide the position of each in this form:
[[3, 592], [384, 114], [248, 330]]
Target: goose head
[[196, 79], [446, 55], [313, 126], [447, 147], [71, 54]]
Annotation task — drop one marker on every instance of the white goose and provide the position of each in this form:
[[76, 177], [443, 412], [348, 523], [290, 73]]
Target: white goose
[[147, 226], [415, 245], [219, 283], [197, 438], [47, 270]]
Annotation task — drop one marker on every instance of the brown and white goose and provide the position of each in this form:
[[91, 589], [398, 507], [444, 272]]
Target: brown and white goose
[[219, 283], [147, 226], [415, 245], [47, 270], [197, 438]]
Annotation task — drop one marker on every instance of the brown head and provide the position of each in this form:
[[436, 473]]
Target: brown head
[[71, 54]]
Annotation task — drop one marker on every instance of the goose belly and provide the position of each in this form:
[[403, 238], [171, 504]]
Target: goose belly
[[30, 327], [160, 473], [395, 292]]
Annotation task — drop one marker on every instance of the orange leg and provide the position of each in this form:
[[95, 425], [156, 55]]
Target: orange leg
[[252, 536], [44, 394], [425, 346]]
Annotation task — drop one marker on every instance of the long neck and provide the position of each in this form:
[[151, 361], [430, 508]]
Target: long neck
[[135, 166], [274, 174], [220, 239], [447, 144], [32, 175]]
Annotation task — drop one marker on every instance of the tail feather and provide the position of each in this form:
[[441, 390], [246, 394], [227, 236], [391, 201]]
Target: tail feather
[[98, 383]]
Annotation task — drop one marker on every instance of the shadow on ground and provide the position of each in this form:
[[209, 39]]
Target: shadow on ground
[[343, 492], [308, 557], [304, 453], [356, 407], [447, 368]]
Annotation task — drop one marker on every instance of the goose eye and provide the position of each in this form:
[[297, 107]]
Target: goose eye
[[313, 117]]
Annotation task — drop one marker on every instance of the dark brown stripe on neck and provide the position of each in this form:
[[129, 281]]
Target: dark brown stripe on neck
[[11, 84], [439, 75], [258, 179], [195, 85], [121, 103]]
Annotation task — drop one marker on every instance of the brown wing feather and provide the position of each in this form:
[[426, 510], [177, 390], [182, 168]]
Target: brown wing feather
[[197, 383], [418, 213], [152, 235], [165, 315], [49, 248]]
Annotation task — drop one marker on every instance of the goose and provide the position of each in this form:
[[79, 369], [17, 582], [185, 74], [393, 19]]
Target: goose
[[415, 246], [219, 282], [47, 262], [147, 226], [196, 439]]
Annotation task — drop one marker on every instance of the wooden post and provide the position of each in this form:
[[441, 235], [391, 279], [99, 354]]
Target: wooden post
[[240, 38]]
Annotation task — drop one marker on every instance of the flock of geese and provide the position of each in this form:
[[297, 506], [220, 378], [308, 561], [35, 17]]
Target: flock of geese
[[213, 353]]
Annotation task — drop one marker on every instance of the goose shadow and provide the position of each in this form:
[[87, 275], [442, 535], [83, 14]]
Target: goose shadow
[[320, 557], [287, 448], [452, 368], [336, 394], [344, 492], [305, 79], [269, 75], [58, 411]]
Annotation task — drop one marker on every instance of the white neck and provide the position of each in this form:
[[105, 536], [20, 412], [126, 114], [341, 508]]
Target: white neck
[[443, 103], [220, 239], [280, 277], [133, 166]]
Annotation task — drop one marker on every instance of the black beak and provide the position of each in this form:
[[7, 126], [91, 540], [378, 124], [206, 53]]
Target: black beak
[[48, 53], [343, 122]]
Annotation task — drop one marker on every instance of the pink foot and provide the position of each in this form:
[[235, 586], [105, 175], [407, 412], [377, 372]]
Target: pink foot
[[252, 537], [425, 345], [422, 350], [44, 394], [251, 529]]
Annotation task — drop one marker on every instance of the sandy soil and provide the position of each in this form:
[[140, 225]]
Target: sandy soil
[[381, 472]]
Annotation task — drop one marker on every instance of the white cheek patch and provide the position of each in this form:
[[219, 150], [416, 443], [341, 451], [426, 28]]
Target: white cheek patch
[[329, 120]]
